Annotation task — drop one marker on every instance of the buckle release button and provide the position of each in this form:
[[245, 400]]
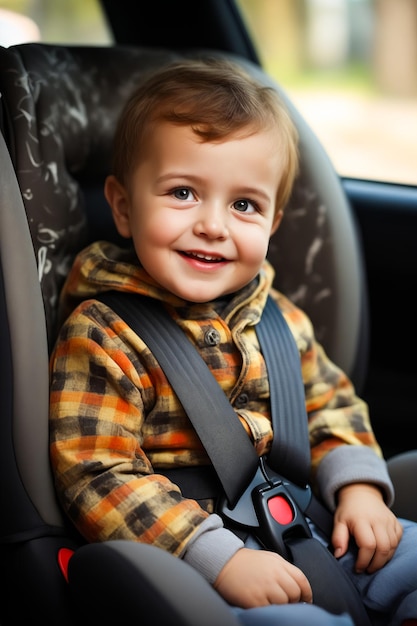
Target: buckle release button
[[281, 510]]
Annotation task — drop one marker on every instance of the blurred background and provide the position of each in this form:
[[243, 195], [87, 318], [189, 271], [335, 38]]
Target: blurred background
[[350, 66]]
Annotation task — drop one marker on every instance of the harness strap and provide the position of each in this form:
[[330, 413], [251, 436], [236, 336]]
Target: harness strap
[[183, 366], [332, 588], [217, 425], [290, 451]]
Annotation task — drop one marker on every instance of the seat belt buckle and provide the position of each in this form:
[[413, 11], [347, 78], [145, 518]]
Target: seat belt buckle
[[272, 508], [279, 514]]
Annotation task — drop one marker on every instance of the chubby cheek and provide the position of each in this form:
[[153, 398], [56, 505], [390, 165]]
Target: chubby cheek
[[252, 251], [154, 239], [155, 230]]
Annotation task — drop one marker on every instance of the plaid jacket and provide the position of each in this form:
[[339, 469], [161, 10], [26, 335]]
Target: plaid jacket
[[114, 419]]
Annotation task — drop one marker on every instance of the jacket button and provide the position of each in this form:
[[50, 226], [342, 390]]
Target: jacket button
[[241, 400], [212, 337]]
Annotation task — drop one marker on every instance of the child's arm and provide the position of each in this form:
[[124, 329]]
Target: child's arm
[[348, 468], [344, 449], [99, 401]]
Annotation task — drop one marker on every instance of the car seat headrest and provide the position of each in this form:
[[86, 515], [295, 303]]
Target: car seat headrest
[[60, 106]]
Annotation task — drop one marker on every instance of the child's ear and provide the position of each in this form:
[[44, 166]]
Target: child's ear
[[277, 221], [118, 200]]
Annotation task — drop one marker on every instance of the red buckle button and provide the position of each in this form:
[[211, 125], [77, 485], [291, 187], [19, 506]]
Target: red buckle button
[[281, 510], [64, 555]]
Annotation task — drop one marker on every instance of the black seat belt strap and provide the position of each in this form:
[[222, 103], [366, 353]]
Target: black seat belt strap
[[217, 425], [183, 365], [290, 450], [207, 406]]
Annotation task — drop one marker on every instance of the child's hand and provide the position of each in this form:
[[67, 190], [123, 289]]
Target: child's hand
[[362, 514], [256, 578]]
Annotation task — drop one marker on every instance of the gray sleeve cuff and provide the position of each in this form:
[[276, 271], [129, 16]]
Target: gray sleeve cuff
[[352, 464], [211, 547]]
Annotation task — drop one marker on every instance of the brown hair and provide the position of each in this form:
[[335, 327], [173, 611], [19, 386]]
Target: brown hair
[[216, 98]]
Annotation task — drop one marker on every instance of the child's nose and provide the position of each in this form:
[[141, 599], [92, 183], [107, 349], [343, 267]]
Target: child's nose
[[212, 222]]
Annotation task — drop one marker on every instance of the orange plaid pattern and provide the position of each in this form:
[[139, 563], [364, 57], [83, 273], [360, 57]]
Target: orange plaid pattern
[[115, 420]]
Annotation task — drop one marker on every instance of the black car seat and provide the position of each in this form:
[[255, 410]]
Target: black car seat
[[59, 108]]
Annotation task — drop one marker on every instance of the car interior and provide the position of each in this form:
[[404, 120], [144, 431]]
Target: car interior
[[59, 106]]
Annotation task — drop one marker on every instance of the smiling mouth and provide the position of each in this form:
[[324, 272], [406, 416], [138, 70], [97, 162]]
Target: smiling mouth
[[205, 258]]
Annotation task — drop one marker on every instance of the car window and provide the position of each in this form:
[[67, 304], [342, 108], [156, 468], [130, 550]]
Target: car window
[[52, 21], [350, 66]]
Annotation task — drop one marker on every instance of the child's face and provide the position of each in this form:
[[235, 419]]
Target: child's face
[[200, 214]]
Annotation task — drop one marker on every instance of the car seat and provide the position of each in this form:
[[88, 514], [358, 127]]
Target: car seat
[[59, 108]]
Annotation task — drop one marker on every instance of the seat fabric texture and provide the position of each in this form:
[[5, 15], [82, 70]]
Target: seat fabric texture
[[61, 107]]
